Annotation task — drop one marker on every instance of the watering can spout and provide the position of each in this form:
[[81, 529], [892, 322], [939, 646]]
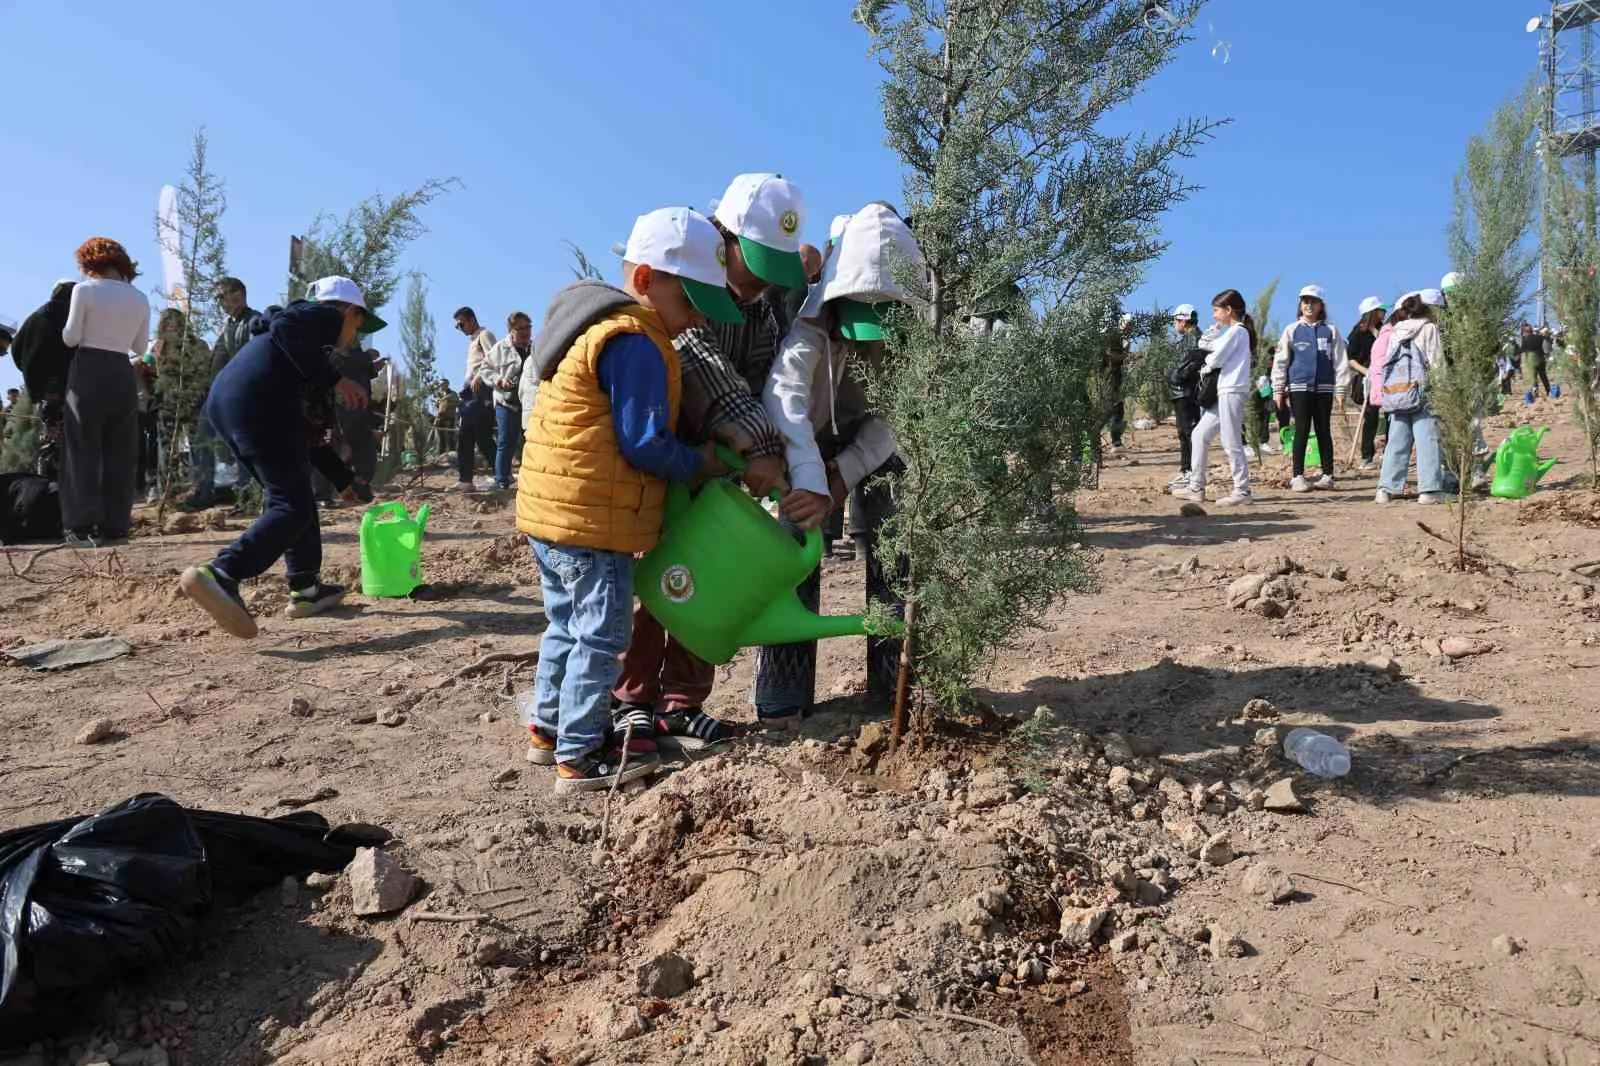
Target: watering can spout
[[786, 621], [1538, 435], [1544, 468]]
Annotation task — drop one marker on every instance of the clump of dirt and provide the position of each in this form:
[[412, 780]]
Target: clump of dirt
[[1576, 508]]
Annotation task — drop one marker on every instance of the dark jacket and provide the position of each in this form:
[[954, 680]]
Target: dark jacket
[[235, 334], [1184, 381], [261, 392], [1359, 350], [40, 353]]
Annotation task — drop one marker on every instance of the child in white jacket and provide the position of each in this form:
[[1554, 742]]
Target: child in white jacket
[[1229, 359], [833, 441]]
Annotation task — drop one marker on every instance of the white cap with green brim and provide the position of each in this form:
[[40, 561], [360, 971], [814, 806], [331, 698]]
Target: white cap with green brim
[[342, 290], [1371, 304], [684, 243], [1451, 281], [876, 254], [764, 211]]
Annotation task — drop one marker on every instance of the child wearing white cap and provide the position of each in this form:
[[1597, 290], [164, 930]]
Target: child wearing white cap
[[1359, 356], [601, 447], [1309, 369]]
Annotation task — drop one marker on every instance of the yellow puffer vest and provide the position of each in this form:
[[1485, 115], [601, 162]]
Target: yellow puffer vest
[[575, 487]]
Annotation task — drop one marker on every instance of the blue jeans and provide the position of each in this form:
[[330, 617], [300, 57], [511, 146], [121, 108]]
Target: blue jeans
[[508, 437], [1420, 427], [588, 609], [203, 458]]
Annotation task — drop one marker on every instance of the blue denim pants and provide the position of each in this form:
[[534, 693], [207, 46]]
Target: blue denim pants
[[588, 607], [1408, 428], [508, 439]]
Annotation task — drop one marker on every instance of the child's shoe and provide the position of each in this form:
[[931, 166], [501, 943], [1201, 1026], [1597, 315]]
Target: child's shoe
[[541, 747], [218, 596], [303, 603], [601, 770]]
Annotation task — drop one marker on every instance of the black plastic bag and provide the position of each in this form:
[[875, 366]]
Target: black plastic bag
[[84, 901]]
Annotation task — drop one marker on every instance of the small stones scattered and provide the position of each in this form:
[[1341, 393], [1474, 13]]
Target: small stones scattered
[[1507, 945], [1125, 942], [1246, 588], [504, 777], [858, 1054], [1255, 799], [665, 976], [391, 718], [320, 882], [1337, 572], [300, 707], [101, 729], [1031, 972], [379, 884], [1266, 738], [488, 718], [1224, 943], [625, 1022], [1259, 710], [873, 738], [1268, 883], [1116, 748], [1280, 796], [994, 901]]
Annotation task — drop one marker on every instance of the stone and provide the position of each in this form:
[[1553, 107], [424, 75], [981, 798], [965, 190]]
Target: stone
[[858, 1053], [1116, 748], [1150, 893], [1078, 988], [504, 777], [483, 841], [1259, 710], [1278, 590], [1281, 565], [1123, 876], [665, 976], [488, 952], [1337, 572], [993, 901], [1218, 850], [1385, 666], [1255, 799], [873, 738], [1224, 943], [1079, 925], [320, 882], [1266, 737], [1192, 510], [1281, 797], [488, 718], [1191, 837], [1269, 608], [391, 718], [96, 731], [1246, 588], [363, 717], [379, 884], [625, 1022], [1507, 945], [1564, 986], [1461, 647], [1125, 942], [1268, 882], [1031, 972], [300, 707], [711, 1023]]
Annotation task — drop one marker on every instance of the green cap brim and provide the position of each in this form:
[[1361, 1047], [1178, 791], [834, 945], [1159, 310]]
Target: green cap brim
[[713, 301], [783, 269], [372, 323], [859, 321]]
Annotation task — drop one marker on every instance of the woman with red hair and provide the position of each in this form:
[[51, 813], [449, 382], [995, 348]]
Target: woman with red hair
[[107, 320]]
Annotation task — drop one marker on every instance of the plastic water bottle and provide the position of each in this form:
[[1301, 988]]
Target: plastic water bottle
[[1319, 753]]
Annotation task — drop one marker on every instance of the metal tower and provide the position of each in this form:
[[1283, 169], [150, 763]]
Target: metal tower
[[1569, 125]]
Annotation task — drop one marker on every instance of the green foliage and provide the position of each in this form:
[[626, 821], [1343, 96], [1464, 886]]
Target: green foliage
[[418, 341], [1267, 332], [1146, 382], [999, 113], [19, 451], [365, 244], [1572, 251], [1496, 195]]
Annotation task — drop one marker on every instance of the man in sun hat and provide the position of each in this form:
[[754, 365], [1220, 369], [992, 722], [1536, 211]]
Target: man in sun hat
[[725, 365], [255, 406], [601, 447]]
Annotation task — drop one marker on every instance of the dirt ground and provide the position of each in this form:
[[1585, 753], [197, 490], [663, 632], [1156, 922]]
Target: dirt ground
[[1081, 875]]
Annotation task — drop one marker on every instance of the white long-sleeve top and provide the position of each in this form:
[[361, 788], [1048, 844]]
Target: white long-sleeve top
[[110, 315], [1230, 357]]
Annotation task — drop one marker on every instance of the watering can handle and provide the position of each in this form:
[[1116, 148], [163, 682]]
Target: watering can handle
[[731, 459], [373, 514], [811, 547]]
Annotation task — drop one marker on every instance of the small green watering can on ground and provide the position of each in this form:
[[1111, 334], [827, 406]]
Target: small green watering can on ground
[[391, 550], [723, 575], [1517, 467], [1313, 453]]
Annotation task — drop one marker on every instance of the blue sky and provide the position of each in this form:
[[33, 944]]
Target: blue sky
[[564, 121]]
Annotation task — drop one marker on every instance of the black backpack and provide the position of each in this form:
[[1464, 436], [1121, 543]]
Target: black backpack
[[30, 509]]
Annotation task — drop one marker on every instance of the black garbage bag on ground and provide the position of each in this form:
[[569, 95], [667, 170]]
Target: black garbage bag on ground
[[30, 509], [84, 901]]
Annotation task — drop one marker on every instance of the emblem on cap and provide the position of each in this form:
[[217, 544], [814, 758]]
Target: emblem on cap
[[677, 584], [789, 222], [722, 254]]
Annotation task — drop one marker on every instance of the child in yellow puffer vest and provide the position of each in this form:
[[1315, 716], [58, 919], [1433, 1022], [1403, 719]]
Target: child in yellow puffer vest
[[600, 451]]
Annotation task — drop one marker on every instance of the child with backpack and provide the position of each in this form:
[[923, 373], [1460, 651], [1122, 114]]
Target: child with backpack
[[1401, 388], [1308, 370]]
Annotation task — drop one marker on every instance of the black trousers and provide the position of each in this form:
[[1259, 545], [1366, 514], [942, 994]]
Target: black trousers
[[1541, 375], [1369, 431], [474, 436], [1188, 418], [1312, 411]]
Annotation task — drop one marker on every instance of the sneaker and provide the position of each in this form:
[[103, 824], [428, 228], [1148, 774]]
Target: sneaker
[[80, 538], [1325, 481], [462, 486], [1236, 499], [541, 747], [1115, 452], [602, 770], [1431, 498], [1299, 484], [197, 502], [219, 597], [779, 719], [642, 720], [1368, 466], [303, 603], [694, 729], [1270, 448], [1192, 495], [1383, 496]]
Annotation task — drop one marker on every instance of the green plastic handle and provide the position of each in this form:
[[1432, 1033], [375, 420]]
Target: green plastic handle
[[731, 459]]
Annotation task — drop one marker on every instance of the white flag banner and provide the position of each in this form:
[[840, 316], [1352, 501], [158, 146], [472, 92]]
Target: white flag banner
[[170, 236]]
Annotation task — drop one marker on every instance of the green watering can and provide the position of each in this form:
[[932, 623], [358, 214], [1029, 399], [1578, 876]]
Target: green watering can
[[391, 550], [1517, 467], [1313, 453], [723, 575]]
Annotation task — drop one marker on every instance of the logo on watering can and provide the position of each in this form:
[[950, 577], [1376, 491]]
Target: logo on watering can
[[677, 584]]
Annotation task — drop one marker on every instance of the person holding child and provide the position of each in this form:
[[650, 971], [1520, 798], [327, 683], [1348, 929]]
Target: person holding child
[[601, 447]]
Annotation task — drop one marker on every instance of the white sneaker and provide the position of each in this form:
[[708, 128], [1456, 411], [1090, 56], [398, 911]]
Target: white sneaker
[[1325, 481], [1382, 496], [1270, 448], [1299, 484], [1236, 499], [1432, 498], [1179, 479], [1368, 466], [1191, 495], [461, 486]]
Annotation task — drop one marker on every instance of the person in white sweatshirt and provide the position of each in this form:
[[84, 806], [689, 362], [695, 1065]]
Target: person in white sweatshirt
[[108, 320], [1310, 367], [833, 441], [1415, 335], [1230, 346]]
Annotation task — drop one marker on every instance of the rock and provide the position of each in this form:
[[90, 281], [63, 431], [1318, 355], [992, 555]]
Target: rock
[[391, 718], [1191, 837], [1031, 972], [1125, 942], [300, 707], [1122, 875], [1224, 943], [1280, 797], [1192, 510], [1507, 945], [320, 882], [1268, 882], [289, 892], [1116, 748], [710, 1023], [1385, 666], [484, 841], [858, 1053], [1269, 608], [1078, 988], [1218, 850], [1246, 588], [1255, 799], [1150, 893], [1278, 590], [1079, 925], [488, 718], [1565, 986], [994, 901], [1461, 647], [625, 1022], [873, 738], [488, 952], [1266, 738], [96, 731], [1336, 572], [379, 884], [363, 717], [504, 777], [665, 976], [1259, 710]]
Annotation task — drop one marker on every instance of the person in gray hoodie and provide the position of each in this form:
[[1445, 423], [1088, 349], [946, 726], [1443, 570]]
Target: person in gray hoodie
[[834, 441], [1415, 334]]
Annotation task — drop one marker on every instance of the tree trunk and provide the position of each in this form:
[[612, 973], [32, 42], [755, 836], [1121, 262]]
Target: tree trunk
[[902, 686]]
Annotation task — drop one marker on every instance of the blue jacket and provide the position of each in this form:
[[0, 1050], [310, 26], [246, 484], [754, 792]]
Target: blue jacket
[[259, 394], [1310, 357]]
